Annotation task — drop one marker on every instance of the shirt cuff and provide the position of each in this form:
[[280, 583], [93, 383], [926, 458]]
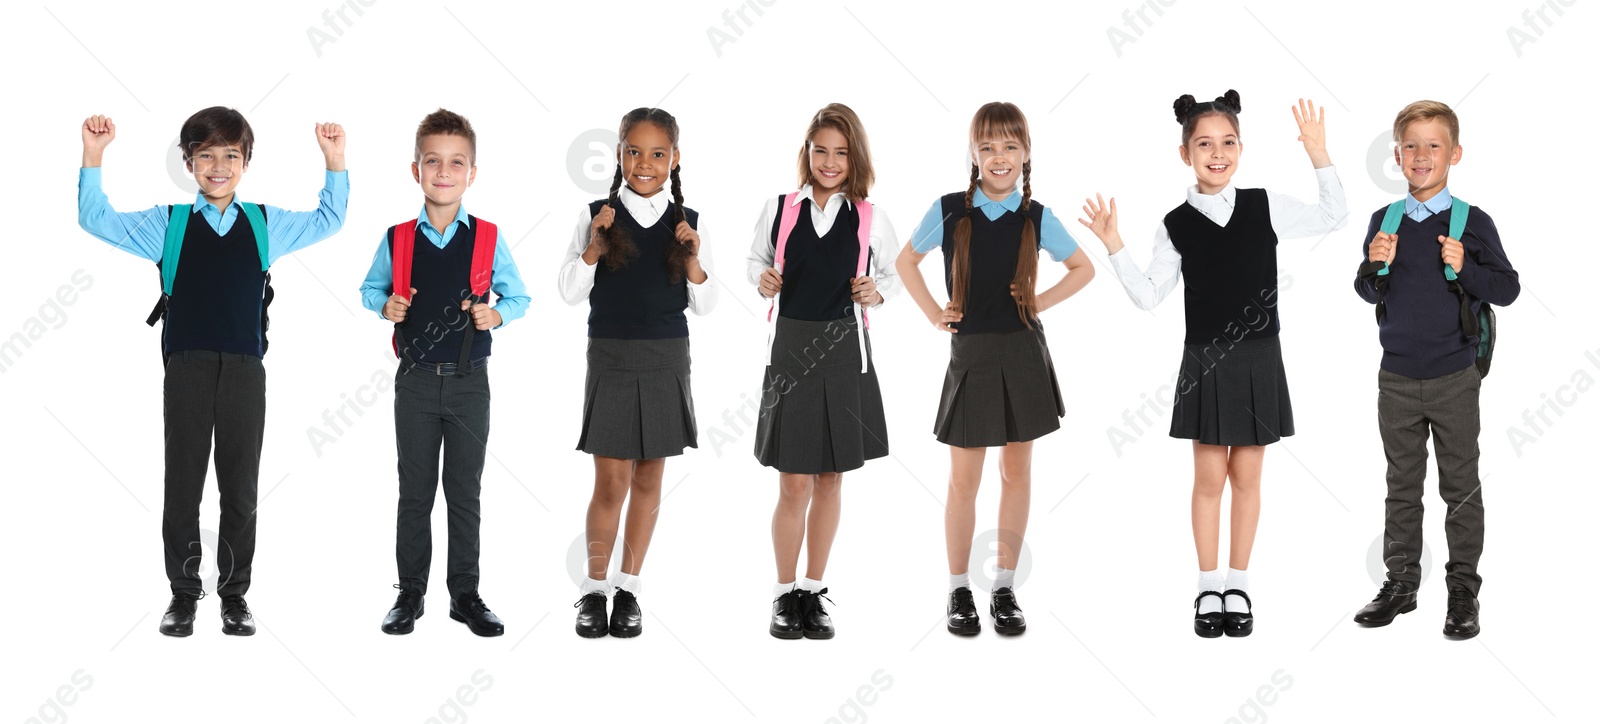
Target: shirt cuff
[[89, 175], [1324, 173], [331, 179]]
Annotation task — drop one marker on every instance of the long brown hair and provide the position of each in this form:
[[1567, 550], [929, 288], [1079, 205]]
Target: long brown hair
[[999, 120], [839, 117], [620, 249]]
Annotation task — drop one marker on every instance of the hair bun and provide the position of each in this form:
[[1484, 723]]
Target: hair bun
[[1230, 99], [1183, 107]]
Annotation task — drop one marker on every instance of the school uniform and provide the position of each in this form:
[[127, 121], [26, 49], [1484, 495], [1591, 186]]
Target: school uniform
[[212, 344], [1428, 381], [1232, 388], [821, 409], [435, 403], [637, 402], [1000, 386]]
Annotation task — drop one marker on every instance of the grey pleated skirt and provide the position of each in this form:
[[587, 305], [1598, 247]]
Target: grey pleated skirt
[[637, 403], [819, 412], [1233, 395], [1000, 387]]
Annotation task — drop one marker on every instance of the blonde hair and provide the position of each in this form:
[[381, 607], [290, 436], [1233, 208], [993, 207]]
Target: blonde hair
[[839, 117], [1427, 111]]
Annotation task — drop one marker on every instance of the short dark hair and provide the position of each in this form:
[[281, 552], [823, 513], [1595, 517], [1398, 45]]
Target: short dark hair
[[216, 126], [447, 123]]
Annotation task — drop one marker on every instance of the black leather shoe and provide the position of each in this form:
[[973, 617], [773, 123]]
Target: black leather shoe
[[1461, 617], [179, 618], [626, 619], [1393, 599], [407, 609], [1208, 625], [592, 615], [786, 616], [1008, 619], [815, 621], [961, 615], [469, 609], [236, 618], [1238, 623]]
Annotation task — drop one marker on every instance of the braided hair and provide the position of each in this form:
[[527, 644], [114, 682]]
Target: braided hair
[[991, 120], [620, 249]]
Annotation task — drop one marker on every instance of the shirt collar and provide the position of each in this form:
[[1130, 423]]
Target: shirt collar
[[1205, 202], [657, 203], [201, 202], [461, 217], [1009, 203], [807, 192], [1437, 204]]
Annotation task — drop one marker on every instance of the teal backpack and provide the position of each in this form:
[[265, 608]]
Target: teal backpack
[[1481, 325], [177, 226]]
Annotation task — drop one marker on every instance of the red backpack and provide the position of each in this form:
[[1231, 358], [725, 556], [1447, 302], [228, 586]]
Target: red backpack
[[484, 238]]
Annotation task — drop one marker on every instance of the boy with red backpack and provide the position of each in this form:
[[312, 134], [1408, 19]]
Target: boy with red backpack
[[431, 277]]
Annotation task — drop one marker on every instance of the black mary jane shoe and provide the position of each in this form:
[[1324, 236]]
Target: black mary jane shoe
[[1208, 625], [1237, 624], [592, 623]]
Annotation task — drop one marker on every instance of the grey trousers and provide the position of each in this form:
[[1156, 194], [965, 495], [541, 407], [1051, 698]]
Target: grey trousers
[[1408, 410], [430, 412]]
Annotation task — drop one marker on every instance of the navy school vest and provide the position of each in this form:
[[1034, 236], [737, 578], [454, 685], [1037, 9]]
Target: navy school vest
[[817, 270], [640, 301], [990, 306], [435, 322], [1230, 273], [220, 295]]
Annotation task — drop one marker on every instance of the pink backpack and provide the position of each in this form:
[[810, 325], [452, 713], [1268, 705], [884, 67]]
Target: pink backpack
[[790, 214]]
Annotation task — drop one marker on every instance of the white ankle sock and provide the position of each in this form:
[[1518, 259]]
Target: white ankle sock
[[1240, 580], [782, 588], [1211, 581], [589, 585], [625, 582], [811, 585], [960, 580], [1004, 578]]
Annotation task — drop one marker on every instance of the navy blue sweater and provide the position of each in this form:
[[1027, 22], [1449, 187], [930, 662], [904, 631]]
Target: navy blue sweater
[[1421, 329]]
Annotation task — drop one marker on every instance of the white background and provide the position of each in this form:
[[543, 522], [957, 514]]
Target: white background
[[1111, 581]]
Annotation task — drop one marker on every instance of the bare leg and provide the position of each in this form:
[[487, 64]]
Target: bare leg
[[1016, 486], [1244, 474], [960, 517], [789, 522], [1205, 508], [611, 480], [643, 506], [822, 522]]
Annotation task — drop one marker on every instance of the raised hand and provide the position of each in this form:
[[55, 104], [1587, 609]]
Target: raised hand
[[330, 138], [98, 132], [1102, 221], [1313, 134]]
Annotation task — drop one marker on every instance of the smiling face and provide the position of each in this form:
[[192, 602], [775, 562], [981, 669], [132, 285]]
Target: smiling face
[[830, 160], [1425, 154], [217, 171], [647, 157], [445, 168], [1213, 151], [999, 160]]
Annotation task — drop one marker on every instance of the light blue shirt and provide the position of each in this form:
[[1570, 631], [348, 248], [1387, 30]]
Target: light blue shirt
[[506, 280], [1419, 210], [1053, 236], [144, 233]]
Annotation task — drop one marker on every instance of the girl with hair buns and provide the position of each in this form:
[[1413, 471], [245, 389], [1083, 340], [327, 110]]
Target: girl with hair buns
[[821, 412], [1000, 389], [635, 256], [1232, 395]]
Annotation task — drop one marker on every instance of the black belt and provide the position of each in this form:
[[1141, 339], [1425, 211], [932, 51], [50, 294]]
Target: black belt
[[442, 369]]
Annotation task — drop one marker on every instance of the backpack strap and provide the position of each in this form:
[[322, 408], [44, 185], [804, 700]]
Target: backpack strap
[[484, 237], [1458, 226], [1390, 225], [864, 235], [177, 226], [788, 216], [402, 239], [258, 227]]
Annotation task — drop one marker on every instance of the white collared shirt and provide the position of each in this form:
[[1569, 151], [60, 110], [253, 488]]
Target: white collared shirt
[[1291, 219], [577, 278], [885, 245]]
